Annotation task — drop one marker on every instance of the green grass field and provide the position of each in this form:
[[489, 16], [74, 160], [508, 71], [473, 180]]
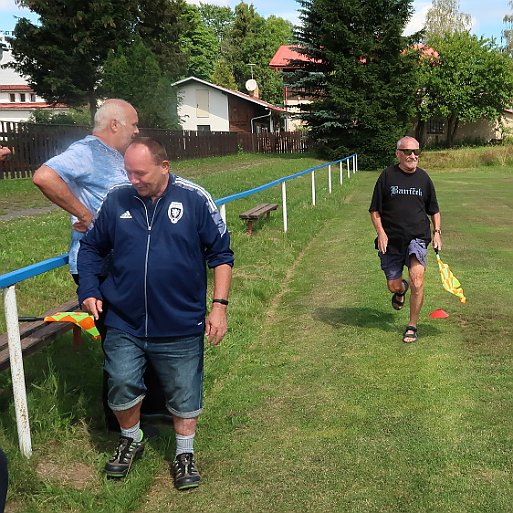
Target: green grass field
[[312, 402]]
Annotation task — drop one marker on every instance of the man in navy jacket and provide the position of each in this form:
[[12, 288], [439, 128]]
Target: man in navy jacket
[[161, 232]]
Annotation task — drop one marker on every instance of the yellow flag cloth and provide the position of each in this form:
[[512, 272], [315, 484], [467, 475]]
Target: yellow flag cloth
[[82, 319], [449, 281]]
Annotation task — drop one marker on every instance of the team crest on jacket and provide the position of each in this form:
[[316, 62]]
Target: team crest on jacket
[[175, 211]]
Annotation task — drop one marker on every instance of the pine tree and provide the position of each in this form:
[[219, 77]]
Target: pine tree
[[360, 78]]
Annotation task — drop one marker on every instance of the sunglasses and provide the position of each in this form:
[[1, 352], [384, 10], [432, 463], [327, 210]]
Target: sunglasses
[[408, 152]]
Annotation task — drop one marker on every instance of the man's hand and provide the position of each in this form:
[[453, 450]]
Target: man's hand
[[216, 324], [437, 241], [382, 242], [83, 222], [93, 306]]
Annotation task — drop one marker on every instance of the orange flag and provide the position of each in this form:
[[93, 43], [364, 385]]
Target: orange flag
[[82, 319]]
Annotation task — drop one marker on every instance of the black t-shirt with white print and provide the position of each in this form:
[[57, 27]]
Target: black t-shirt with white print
[[404, 201]]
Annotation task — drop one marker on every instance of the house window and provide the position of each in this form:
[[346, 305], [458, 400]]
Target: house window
[[23, 97], [32, 97], [203, 128], [12, 97], [436, 126], [202, 106]]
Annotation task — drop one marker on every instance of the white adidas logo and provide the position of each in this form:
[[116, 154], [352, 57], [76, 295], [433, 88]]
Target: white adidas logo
[[126, 215]]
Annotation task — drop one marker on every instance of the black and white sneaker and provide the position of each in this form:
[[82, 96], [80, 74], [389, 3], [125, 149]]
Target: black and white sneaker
[[125, 454], [185, 473]]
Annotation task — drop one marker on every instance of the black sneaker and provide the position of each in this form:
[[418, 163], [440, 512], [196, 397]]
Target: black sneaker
[[125, 454], [185, 473]]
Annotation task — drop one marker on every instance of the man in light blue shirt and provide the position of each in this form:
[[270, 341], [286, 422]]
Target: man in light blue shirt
[[78, 179]]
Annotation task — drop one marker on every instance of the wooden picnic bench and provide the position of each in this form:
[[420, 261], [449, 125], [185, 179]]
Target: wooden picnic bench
[[37, 334], [256, 213]]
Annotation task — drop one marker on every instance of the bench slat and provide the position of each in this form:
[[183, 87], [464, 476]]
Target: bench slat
[[258, 211]]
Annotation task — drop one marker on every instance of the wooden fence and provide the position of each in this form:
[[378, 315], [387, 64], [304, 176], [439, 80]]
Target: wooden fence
[[33, 144]]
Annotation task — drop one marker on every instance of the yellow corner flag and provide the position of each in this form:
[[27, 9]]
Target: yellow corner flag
[[449, 281], [82, 319]]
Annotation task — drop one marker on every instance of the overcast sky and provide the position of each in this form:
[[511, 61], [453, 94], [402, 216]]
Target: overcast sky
[[486, 15]]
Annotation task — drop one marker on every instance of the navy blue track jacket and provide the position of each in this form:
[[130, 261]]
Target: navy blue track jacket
[[157, 283]]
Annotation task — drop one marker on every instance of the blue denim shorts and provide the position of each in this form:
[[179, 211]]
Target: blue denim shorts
[[178, 363], [392, 265]]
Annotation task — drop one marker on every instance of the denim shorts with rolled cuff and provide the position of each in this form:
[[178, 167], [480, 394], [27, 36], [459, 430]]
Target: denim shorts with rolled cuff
[[392, 265], [178, 364]]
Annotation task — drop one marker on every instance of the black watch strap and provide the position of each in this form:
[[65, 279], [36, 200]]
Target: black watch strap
[[220, 301]]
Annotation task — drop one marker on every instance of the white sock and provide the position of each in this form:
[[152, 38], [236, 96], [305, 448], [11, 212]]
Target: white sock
[[134, 432], [184, 444]]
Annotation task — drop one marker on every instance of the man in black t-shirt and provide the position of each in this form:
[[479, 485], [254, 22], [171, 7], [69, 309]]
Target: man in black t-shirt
[[404, 197]]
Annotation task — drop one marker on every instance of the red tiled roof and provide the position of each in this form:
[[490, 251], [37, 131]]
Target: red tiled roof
[[30, 106], [284, 55], [18, 87]]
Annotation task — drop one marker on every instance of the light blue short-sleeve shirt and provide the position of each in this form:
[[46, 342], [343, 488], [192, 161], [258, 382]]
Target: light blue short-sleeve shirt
[[90, 168]]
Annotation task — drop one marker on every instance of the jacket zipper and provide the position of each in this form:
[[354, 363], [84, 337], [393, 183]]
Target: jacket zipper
[[148, 240]]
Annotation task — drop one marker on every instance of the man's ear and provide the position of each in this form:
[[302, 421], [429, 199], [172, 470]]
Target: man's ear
[[165, 166]]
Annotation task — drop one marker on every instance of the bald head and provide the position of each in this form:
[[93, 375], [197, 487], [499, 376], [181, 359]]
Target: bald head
[[115, 123], [407, 142]]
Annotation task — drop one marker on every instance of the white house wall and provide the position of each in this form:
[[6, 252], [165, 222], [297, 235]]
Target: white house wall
[[217, 118]]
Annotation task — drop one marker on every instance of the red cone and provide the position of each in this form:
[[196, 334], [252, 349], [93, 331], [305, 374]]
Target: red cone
[[438, 314]]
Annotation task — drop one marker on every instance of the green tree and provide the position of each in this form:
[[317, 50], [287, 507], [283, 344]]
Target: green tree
[[161, 24], [63, 54], [253, 39], [223, 75], [70, 117], [200, 44], [217, 18], [358, 76], [134, 74], [444, 17], [471, 80]]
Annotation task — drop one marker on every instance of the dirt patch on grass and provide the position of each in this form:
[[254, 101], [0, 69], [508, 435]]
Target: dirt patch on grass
[[76, 475]]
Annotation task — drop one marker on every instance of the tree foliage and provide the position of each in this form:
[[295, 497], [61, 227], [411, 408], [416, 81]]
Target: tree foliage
[[62, 56], [217, 18], [133, 73], [200, 44], [444, 18], [471, 80], [252, 39], [356, 71]]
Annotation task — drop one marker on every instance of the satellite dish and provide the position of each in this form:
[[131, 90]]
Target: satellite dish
[[251, 85]]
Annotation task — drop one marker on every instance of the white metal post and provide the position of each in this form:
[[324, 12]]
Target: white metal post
[[329, 178], [222, 211], [356, 162], [348, 168], [313, 188], [340, 172], [17, 372], [284, 204]]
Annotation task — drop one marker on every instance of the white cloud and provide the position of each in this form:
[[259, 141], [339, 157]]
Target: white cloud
[[418, 19]]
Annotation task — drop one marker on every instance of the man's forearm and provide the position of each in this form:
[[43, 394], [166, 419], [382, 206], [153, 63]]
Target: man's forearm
[[222, 281], [58, 192]]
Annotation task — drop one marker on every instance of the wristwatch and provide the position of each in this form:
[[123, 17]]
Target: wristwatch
[[437, 231]]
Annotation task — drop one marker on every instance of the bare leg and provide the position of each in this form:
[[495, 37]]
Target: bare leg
[[185, 427], [417, 292], [130, 417]]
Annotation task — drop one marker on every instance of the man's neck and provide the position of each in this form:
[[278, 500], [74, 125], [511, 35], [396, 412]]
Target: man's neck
[[409, 171]]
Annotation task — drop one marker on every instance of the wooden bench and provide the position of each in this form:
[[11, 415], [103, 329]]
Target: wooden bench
[[256, 213], [37, 334]]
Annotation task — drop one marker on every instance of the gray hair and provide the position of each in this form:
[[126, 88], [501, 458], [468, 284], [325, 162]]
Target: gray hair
[[113, 108]]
